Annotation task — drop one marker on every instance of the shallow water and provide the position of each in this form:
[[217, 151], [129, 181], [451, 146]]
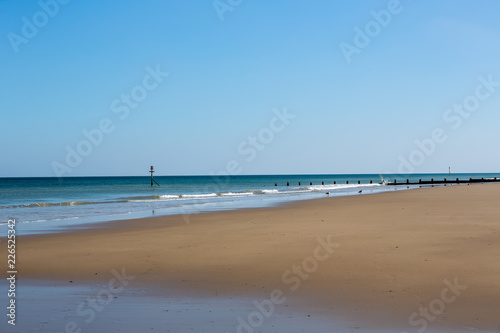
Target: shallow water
[[46, 308]]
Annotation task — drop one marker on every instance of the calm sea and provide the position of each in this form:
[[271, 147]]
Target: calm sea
[[47, 204]]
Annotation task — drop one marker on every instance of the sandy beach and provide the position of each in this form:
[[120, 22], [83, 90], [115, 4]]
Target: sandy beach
[[408, 260]]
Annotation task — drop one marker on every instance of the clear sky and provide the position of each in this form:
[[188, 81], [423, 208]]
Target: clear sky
[[253, 87]]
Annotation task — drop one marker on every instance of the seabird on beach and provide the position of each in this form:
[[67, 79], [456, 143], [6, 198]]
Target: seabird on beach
[[327, 193], [360, 191]]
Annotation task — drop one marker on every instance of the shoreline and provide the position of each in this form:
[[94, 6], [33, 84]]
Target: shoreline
[[82, 222], [44, 205], [397, 252]]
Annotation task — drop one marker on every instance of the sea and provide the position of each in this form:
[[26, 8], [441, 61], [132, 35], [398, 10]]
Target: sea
[[47, 205]]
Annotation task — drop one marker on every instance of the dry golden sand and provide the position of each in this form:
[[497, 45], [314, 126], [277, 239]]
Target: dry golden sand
[[396, 249]]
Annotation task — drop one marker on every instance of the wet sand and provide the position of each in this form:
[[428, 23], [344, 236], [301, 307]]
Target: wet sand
[[405, 260]]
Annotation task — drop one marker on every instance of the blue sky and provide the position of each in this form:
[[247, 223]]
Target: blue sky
[[228, 78]]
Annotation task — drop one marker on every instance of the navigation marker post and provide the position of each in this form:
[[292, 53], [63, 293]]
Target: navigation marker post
[[152, 179]]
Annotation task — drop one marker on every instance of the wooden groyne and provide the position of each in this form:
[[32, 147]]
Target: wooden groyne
[[323, 183], [433, 181], [445, 181]]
